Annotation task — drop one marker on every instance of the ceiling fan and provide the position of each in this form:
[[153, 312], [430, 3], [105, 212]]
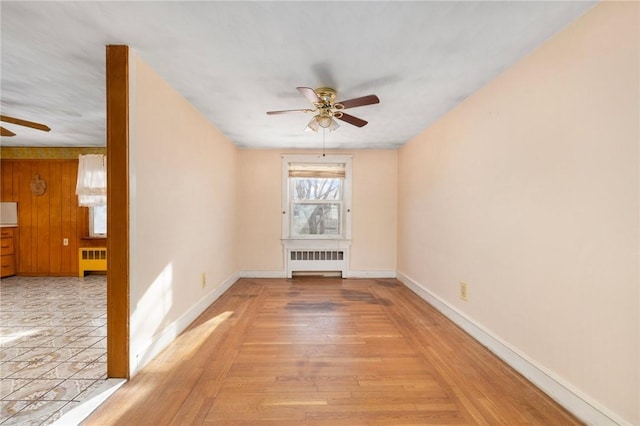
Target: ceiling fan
[[7, 133], [326, 108]]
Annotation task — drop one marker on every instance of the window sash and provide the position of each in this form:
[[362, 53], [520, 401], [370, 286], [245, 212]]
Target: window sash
[[316, 223], [336, 193]]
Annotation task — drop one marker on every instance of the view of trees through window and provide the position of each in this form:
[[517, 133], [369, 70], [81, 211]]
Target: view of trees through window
[[317, 206]]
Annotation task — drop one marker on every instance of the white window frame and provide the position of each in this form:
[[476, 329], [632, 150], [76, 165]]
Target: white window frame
[[287, 202]]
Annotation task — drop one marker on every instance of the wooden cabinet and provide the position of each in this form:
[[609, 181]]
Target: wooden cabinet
[[8, 252]]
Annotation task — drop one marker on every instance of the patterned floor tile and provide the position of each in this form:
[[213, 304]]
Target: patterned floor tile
[[36, 413], [68, 390], [8, 386], [52, 334], [99, 331], [84, 342], [11, 367], [76, 318], [34, 342], [97, 322], [94, 370], [47, 354], [75, 305], [66, 370], [87, 355], [33, 390], [11, 408], [101, 344], [33, 370], [82, 331], [7, 354], [95, 388]]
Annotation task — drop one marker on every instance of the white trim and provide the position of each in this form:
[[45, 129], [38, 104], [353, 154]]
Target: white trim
[[372, 274], [581, 405], [302, 243], [163, 338], [345, 216], [263, 274]]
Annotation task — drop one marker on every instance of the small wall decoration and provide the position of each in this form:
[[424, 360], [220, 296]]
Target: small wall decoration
[[38, 186]]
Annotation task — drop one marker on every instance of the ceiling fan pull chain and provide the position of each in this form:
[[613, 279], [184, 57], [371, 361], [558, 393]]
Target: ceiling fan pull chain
[[323, 133]]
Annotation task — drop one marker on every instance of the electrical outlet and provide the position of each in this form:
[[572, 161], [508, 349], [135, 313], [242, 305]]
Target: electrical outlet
[[65, 241], [203, 282], [463, 290]]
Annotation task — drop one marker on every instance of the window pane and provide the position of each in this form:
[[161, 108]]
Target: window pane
[[317, 189], [316, 219], [99, 220]]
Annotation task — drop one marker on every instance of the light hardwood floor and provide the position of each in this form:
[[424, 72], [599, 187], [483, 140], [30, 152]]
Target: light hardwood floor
[[326, 352]]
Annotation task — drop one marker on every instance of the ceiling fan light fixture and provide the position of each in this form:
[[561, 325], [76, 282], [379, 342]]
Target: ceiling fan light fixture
[[313, 125], [324, 120]]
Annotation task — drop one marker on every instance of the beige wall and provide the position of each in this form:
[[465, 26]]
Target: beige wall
[[529, 192], [183, 209], [259, 210], [374, 210]]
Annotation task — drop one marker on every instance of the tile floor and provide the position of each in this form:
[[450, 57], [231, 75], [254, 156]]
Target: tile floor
[[52, 346]]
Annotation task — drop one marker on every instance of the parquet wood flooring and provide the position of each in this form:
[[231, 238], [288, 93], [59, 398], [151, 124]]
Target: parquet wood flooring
[[326, 352]]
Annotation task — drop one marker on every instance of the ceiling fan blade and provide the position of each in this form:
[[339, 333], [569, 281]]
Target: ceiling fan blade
[[287, 111], [309, 93], [6, 132], [356, 102], [359, 122], [25, 123]]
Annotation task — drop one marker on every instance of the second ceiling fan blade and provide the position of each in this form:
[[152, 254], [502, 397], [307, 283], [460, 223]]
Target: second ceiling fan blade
[[359, 122], [25, 123], [356, 102], [287, 111], [309, 93]]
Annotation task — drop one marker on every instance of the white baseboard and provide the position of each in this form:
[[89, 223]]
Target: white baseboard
[[263, 274], [582, 406], [162, 339], [372, 274]]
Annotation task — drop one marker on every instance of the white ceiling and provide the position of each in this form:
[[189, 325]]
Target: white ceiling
[[236, 60]]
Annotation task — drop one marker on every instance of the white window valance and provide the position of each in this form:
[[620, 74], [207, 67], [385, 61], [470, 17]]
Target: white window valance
[[91, 187]]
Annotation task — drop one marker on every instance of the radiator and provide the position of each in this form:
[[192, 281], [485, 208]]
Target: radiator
[[299, 260], [91, 259]]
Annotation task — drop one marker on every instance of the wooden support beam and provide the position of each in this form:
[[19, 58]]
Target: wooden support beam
[[118, 211]]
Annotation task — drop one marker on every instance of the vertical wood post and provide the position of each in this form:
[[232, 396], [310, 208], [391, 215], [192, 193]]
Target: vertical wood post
[[118, 211]]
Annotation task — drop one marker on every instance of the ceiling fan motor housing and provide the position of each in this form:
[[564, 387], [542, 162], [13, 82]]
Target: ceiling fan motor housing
[[326, 94], [326, 107]]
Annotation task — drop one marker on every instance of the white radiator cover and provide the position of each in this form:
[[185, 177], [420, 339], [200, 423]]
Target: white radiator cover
[[320, 256], [316, 260]]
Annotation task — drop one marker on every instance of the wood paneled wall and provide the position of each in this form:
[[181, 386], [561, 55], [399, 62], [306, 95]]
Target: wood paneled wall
[[44, 221]]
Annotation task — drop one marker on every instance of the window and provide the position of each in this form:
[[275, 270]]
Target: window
[[98, 221], [316, 197], [316, 206]]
